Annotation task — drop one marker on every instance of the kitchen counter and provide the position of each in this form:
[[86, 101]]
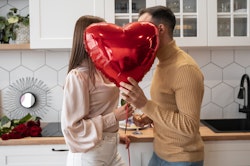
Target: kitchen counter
[[147, 136]]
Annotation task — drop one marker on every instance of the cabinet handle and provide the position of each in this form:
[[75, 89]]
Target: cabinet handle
[[59, 150]]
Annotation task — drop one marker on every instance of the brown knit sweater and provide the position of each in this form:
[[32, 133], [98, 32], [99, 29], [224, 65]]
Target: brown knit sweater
[[176, 95]]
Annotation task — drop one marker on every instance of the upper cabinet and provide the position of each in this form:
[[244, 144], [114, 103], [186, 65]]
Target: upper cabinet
[[228, 22], [191, 27], [52, 22], [125, 11], [199, 22], [191, 24]]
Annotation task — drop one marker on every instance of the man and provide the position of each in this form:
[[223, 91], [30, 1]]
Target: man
[[176, 95]]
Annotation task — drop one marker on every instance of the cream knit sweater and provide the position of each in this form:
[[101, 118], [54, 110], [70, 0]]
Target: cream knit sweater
[[176, 95]]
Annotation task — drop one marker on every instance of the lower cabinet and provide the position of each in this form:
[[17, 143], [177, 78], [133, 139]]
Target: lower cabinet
[[33, 155], [217, 153], [140, 153], [227, 153], [55, 155]]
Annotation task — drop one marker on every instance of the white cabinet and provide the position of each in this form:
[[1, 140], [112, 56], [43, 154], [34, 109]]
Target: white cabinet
[[227, 153], [122, 12], [55, 155], [191, 26], [228, 22], [52, 21], [217, 153], [140, 153], [33, 155], [199, 22], [191, 23], [211, 22]]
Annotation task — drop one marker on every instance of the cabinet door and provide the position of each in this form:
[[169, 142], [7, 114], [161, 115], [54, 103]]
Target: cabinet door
[[227, 153], [191, 21], [52, 22], [33, 155], [228, 22], [121, 12], [191, 28], [140, 153]]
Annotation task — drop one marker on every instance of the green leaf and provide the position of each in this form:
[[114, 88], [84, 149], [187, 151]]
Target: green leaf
[[7, 125], [26, 118], [2, 26], [4, 120], [2, 22], [15, 122], [14, 10], [26, 22], [4, 130], [6, 39], [123, 102]]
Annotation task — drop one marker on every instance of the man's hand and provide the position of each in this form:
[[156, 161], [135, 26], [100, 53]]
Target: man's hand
[[132, 93], [141, 120]]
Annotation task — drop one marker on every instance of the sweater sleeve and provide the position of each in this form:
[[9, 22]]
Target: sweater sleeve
[[80, 133], [188, 89]]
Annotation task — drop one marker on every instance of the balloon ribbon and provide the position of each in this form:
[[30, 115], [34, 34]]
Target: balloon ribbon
[[126, 109], [129, 157]]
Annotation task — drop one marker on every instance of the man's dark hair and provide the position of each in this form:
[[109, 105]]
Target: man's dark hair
[[161, 15]]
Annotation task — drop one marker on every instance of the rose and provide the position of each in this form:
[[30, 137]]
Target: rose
[[34, 128], [5, 136], [15, 135], [33, 123], [21, 129], [35, 131]]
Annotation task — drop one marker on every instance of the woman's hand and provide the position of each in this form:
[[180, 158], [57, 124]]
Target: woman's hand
[[124, 112], [124, 139]]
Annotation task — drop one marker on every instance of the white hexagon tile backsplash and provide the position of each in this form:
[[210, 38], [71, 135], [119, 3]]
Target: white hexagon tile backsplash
[[47, 66], [222, 71]]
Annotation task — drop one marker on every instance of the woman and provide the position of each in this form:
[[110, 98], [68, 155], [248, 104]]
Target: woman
[[89, 113]]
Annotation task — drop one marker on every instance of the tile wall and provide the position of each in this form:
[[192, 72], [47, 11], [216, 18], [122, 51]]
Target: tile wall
[[47, 66], [21, 5], [222, 69]]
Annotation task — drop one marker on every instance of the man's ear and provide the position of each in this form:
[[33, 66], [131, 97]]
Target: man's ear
[[161, 28]]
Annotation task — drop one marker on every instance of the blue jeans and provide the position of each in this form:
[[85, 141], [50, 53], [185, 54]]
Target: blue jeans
[[157, 161]]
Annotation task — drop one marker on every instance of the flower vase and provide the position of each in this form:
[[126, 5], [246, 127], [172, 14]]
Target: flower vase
[[22, 34]]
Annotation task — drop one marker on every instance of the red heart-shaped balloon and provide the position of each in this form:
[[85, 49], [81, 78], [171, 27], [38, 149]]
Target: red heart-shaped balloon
[[121, 52]]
